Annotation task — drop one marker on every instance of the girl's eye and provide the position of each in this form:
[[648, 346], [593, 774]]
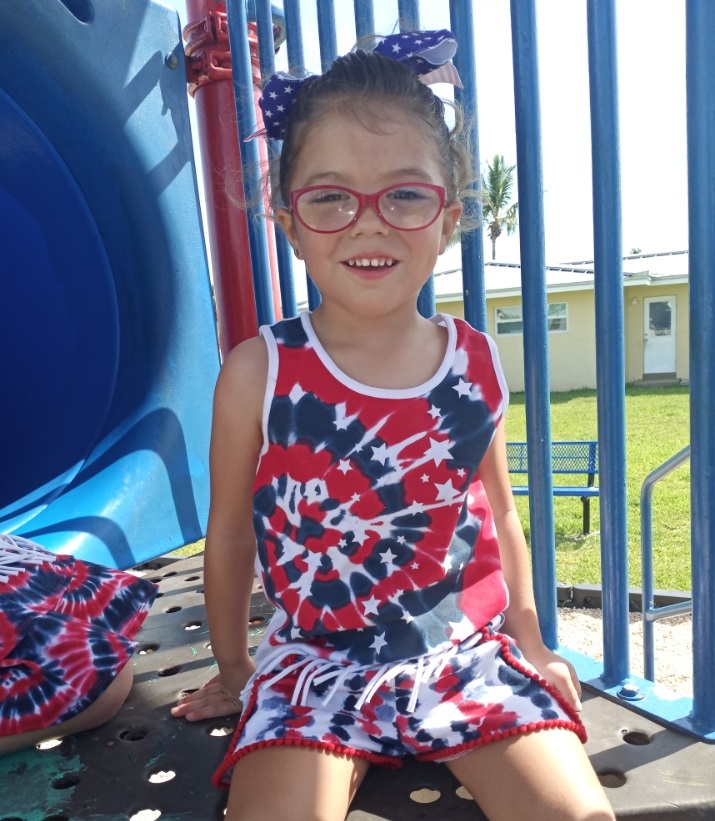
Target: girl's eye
[[408, 193], [324, 197]]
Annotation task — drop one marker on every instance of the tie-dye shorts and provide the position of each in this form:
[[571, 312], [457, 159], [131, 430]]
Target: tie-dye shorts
[[481, 692], [66, 630]]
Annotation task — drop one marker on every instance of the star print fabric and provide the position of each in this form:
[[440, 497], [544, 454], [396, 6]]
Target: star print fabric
[[427, 54], [485, 691], [66, 630], [375, 539]]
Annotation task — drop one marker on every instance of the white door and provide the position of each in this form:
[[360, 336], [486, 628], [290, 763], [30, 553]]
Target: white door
[[659, 323]]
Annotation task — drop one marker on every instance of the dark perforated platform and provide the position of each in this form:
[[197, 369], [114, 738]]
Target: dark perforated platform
[[144, 765]]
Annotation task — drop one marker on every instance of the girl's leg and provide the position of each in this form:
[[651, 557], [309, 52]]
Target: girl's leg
[[104, 708], [277, 783], [542, 776]]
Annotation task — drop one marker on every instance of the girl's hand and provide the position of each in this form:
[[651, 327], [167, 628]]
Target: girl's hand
[[215, 698], [559, 673]]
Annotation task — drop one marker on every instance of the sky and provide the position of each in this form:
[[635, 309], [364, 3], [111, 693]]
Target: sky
[[651, 78]]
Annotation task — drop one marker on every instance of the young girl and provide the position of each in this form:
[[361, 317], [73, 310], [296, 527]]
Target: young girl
[[66, 630], [358, 451]]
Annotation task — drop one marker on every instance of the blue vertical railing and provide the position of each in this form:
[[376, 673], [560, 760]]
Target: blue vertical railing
[[266, 56], [696, 716], [246, 116], [533, 290], [700, 78], [610, 358], [474, 287]]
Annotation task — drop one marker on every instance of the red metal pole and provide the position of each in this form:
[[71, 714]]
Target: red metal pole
[[209, 76]]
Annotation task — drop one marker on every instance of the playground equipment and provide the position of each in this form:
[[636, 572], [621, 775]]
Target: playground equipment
[[108, 336]]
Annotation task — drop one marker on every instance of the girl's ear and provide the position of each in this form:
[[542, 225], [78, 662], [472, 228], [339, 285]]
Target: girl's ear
[[452, 213], [285, 219]]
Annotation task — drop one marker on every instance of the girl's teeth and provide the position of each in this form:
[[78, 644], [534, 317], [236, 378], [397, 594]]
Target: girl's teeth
[[371, 263]]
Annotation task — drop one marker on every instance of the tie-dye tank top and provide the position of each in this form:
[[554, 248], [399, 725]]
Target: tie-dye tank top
[[376, 542]]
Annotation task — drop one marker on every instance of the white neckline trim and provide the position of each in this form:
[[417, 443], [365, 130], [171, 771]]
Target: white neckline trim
[[387, 393]]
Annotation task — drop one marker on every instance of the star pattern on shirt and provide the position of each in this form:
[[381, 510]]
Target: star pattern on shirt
[[370, 606], [463, 388], [438, 450], [447, 492]]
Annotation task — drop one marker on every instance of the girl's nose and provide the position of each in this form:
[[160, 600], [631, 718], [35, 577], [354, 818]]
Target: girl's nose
[[369, 222]]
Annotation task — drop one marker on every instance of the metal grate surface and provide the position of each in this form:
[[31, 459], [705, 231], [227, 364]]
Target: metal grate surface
[[145, 765]]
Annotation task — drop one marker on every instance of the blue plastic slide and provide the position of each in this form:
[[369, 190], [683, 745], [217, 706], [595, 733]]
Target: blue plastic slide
[[108, 351]]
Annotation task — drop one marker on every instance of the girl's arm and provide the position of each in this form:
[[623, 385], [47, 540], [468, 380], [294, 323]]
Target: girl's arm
[[521, 620], [236, 441]]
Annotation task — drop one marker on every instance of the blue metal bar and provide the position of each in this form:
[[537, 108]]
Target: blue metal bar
[[266, 55], [700, 76], [610, 358], [533, 290], [296, 65], [250, 158], [364, 18], [294, 37], [473, 284], [327, 33], [409, 14], [650, 612]]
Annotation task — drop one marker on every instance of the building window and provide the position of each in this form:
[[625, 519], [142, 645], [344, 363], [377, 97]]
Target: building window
[[509, 320], [557, 316]]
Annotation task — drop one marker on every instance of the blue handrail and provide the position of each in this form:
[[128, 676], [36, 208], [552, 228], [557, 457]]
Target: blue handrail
[[651, 613]]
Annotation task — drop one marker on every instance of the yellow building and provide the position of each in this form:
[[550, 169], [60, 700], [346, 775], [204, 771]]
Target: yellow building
[[655, 293]]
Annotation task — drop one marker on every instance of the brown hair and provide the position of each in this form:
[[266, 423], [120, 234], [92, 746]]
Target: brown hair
[[355, 84]]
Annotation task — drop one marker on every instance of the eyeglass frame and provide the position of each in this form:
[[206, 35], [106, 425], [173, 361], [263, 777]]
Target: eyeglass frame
[[365, 200]]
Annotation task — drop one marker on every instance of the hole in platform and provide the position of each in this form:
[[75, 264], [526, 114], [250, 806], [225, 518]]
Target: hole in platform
[[50, 744], [170, 573], [145, 815], [159, 595], [637, 737], [147, 649], [133, 734], [56, 816], [611, 778], [207, 645], [174, 609], [65, 782], [11, 818], [255, 620], [192, 625], [168, 671], [425, 796], [162, 776], [192, 578], [463, 792], [154, 579], [221, 730], [187, 692]]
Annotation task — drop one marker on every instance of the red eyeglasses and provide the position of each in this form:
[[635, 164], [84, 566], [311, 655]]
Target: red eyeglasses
[[327, 209]]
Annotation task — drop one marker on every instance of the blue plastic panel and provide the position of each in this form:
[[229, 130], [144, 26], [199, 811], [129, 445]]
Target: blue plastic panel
[[108, 341]]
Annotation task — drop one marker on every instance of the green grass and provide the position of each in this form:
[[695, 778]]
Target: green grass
[[657, 427]]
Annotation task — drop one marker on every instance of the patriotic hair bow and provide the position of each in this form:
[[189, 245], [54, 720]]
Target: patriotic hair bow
[[428, 54]]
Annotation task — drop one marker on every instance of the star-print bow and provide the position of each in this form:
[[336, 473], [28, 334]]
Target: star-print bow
[[427, 54]]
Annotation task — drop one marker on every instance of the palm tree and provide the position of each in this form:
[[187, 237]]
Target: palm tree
[[496, 193]]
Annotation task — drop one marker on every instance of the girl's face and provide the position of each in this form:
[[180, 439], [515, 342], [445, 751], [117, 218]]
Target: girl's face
[[345, 153]]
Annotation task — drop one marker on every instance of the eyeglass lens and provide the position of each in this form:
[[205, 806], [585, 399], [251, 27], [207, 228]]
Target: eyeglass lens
[[408, 207]]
